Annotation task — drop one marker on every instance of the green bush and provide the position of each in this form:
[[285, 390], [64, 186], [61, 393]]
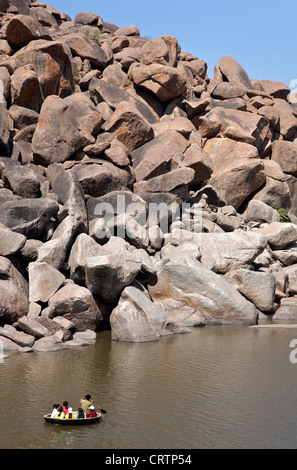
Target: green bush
[[284, 217], [96, 35]]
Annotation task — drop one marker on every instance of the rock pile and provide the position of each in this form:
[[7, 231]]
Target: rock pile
[[136, 193]]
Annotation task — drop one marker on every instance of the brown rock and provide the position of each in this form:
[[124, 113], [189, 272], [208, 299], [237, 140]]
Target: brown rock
[[236, 181], [237, 125], [22, 116], [154, 51], [227, 90], [19, 178], [11, 242], [52, 63], [86, 49], [198, 160], [167, 182], [184, 279], [88, 18], [157, 156], [275, 192], [4, 127], [130, 127], [165, 82], [89, 119], [22, 29], [285, 154], [99, 179], [28, 216], [276, 89], [44, 16], [13, 293], [233, 71], [76, 304], [57, 134], [287, 125], [127, 31]]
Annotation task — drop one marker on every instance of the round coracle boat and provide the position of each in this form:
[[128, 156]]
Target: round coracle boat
[[72, 422]]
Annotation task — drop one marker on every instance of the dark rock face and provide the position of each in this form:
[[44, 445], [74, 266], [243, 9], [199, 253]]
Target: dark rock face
[[131, 182]]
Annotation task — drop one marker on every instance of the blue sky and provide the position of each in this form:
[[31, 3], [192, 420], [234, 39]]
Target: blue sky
[[260, 35]]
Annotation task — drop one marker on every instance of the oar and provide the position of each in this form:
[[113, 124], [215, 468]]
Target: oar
[[103, 411]]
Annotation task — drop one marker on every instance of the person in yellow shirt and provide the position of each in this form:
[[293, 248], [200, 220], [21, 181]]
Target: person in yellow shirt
[[60, 414]]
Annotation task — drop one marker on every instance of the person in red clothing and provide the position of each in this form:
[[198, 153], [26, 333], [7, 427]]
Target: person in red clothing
[[65, 407], [92, 413]]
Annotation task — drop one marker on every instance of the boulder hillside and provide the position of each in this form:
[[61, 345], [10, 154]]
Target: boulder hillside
[[136, 193]]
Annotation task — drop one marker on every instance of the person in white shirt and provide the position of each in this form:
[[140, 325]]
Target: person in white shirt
[[55, 411]]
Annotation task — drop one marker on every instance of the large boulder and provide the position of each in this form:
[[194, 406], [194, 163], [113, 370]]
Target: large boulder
[[275, 193], [116, 203], [102, 177], [130, 127], [83, 247], [28, 216], [157, 156], [234, 72], [279, 235], [275, 89], [19, 337], [81, 46], [285, 154], [89, 119], [50, 343], [236, 180], [76, 304], [57, 134], [102, 91], [107, 275], [136, 318], [4, 127], [44, 281], [165, 82], [189, 282], [52, 63], [11, 242], [258, 211], [258, 287], [167, 182], [237, 125], [287, 125], [25, 88], [32, 327], [223, 252], [70, 193], [22, 29], [13, 293], [19, 178]]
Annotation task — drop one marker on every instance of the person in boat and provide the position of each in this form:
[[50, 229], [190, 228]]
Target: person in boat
[[55, 410], [86, 402], [70, 414], [80, 414], [65, 407], [60, 414], [92, 413]]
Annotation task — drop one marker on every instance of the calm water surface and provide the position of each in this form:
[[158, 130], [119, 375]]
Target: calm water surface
[[217, 387]]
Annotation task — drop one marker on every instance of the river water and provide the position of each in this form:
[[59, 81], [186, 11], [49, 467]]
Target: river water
[[217, 387]]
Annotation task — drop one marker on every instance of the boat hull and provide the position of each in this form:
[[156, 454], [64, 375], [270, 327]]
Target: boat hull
[[73, 422]]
